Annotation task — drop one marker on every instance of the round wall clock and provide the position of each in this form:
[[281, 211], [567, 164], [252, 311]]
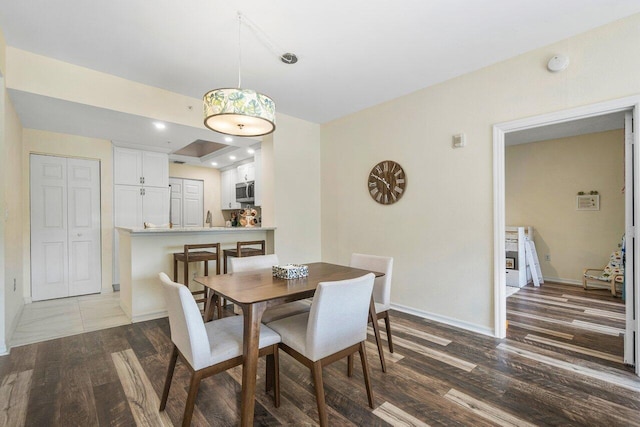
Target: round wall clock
[[387, 182]]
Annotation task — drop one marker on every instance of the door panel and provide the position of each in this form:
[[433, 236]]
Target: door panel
[[49, 267], [85, 271], [155, 205], [176, 201], [193, 205]]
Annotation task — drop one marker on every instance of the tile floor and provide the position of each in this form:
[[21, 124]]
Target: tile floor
[[45, 320]]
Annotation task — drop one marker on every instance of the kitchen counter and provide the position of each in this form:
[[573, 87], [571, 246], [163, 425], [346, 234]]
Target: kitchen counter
[[194, 230], [144, 253]]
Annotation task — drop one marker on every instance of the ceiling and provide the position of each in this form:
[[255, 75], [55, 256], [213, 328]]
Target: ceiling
[[352, 54], [602, 123]]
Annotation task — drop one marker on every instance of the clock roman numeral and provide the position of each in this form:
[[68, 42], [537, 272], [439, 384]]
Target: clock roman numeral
[[374, 191], [372, 184], [398, 190], [378, 169], [385, 166], [400, 180], [386, 198], [378, 197], [398, 173]]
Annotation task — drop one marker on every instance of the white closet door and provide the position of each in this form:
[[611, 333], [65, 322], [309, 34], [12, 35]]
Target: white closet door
[[49, 267], [193, 205], [65, 227], [176, 201], [83, 189], [155, 169]]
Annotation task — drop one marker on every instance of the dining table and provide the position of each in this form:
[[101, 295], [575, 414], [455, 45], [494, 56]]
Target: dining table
[[255, 291]]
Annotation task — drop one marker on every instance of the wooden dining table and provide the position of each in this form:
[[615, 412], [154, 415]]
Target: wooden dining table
[[255, 291]]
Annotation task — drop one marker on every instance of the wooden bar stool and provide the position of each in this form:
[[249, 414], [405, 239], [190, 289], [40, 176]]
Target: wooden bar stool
[[189, 255], [244, 249]]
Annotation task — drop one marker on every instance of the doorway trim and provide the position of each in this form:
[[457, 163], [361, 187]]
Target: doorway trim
[[499, 130]]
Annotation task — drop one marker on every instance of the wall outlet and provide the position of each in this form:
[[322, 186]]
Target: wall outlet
[[547, 257]]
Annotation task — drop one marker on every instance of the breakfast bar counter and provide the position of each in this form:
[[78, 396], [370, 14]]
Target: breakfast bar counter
[[144, 253]]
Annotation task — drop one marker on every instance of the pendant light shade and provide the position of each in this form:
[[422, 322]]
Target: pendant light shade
[[240, 112]]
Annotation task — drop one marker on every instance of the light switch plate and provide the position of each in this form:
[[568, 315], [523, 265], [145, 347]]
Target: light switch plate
[[459, 140]]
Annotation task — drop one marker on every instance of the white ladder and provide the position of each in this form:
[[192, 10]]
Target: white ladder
[[532, 262]]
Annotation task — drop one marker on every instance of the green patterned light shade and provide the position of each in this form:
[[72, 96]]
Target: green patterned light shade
[[240, 112]]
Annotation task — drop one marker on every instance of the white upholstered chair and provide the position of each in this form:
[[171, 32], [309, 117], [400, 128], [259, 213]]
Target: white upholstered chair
[[336, 327], [381, 288], [209, 348], [237, 265]]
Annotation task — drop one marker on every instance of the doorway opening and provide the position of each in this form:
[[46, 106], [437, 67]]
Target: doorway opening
[[630, 108]]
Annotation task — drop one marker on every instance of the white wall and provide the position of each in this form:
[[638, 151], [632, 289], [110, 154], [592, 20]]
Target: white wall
[[296, 189], [441, 232], [11, 301]]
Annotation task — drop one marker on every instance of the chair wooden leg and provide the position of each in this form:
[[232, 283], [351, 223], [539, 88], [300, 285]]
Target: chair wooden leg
[[276, 377], [219, 306], [191, 398], [373, 318], [316, 370], [365, 373], [350, 365], [387, 323], [167, 382]]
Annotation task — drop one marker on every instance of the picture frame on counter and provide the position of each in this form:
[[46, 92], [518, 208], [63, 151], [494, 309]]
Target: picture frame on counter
[[510, 263]]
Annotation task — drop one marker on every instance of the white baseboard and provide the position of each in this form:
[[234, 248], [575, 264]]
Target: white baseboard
[[563, 281], [446, 320], [150, 316]]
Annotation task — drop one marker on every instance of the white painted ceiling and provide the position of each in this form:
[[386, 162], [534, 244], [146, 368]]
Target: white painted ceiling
[[353, 54]]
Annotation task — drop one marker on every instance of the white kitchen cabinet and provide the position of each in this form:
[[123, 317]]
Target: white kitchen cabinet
[[228, 180], [140, 192], [246, 172], [136, 167], [187, 202]]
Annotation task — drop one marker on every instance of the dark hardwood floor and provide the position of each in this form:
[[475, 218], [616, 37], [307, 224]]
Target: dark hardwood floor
[[552, 369]]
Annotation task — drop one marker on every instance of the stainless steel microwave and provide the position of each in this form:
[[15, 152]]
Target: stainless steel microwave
[[245, 192]]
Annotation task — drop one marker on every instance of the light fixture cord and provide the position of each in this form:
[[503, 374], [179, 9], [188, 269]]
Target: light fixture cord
[[239, 50], [263, 37]]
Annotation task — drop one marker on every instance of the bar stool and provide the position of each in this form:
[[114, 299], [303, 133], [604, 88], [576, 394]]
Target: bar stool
[[213, 254], [243, 249]]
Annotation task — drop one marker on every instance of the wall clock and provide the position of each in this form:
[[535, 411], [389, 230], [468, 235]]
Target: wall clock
[[387, 182]]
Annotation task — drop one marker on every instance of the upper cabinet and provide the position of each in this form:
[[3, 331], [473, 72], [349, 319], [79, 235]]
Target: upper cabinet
[[246, 172], [135, 167], [228, 180]]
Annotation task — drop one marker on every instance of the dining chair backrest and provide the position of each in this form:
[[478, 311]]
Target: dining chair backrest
[[339, 316], [381, 264], [185, 321], [238, 265]]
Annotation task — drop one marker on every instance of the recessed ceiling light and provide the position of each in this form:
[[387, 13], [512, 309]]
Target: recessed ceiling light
[[159, 125], [228, 139], [232, 157], [251, 151], [214, 164]]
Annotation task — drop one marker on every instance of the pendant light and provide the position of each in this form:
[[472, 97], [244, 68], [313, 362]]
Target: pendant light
[[237, 111]]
